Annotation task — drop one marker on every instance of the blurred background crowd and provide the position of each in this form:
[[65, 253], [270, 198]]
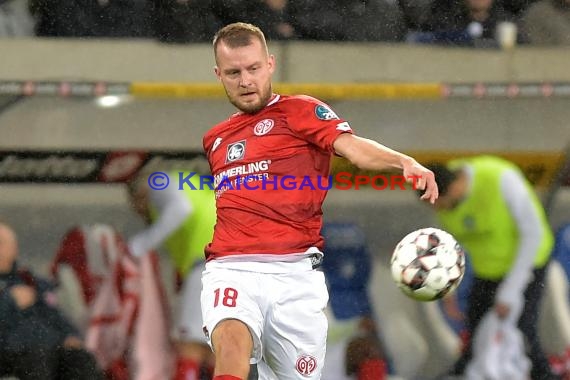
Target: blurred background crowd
[[450, 22]]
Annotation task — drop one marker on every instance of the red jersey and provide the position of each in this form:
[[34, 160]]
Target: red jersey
[[270, 171]]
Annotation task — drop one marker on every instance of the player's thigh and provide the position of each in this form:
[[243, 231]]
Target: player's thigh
[[230, 294], [296, 329], [189, 324]]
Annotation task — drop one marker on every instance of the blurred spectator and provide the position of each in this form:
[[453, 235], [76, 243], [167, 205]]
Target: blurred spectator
[[270, 15], [120, 299], [493, 211], [464, 23], [183, 21], [354, 349], [15, 19], [547, 22], [183, 222], [516, 7], [92, 18], [348, 20], [36, 341], [415, 12]]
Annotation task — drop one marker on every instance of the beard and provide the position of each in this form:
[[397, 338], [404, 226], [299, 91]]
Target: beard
[[251, 107]]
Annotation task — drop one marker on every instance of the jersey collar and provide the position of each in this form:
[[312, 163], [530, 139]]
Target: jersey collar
[[273, 100]]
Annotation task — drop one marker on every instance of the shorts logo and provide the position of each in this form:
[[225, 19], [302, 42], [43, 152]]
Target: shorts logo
[[306, 365], [263, 127], [325, 113], [206, 332], [236, 151]]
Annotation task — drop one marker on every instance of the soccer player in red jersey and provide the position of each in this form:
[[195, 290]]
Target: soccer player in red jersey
[[262, 299]]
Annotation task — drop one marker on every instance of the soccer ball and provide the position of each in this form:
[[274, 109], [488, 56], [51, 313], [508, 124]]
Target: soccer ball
[[427, 264]]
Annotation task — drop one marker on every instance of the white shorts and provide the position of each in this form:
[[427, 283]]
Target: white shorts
[[282, 303], [188, 326]]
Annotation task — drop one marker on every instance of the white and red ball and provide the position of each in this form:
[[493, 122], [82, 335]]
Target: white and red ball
[[427, 264]]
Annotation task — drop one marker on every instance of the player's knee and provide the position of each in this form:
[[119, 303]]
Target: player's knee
[[232, 341]]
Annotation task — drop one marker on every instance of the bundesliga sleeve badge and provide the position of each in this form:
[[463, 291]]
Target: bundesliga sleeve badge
[[325, 113]]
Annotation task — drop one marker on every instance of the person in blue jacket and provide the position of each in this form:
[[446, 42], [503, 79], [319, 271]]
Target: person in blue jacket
[[37, 342]]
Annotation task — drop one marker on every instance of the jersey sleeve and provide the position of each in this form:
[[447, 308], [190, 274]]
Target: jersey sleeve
[[316, 122]]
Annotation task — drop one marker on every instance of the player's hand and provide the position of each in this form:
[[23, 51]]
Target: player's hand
[[502, 310], [24, 296], [421, 179], [451, 308]]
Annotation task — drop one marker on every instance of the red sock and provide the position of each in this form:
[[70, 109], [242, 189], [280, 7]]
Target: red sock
[[372, 369], [187, 369], [226, 377]]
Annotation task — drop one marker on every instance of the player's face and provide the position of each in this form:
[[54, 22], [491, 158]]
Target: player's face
[[245, 73]]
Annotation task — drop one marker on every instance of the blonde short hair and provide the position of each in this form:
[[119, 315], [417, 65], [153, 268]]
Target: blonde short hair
[[238, 34]]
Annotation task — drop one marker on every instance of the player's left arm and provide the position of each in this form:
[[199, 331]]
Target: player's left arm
[[520, 204], [370, 155]]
